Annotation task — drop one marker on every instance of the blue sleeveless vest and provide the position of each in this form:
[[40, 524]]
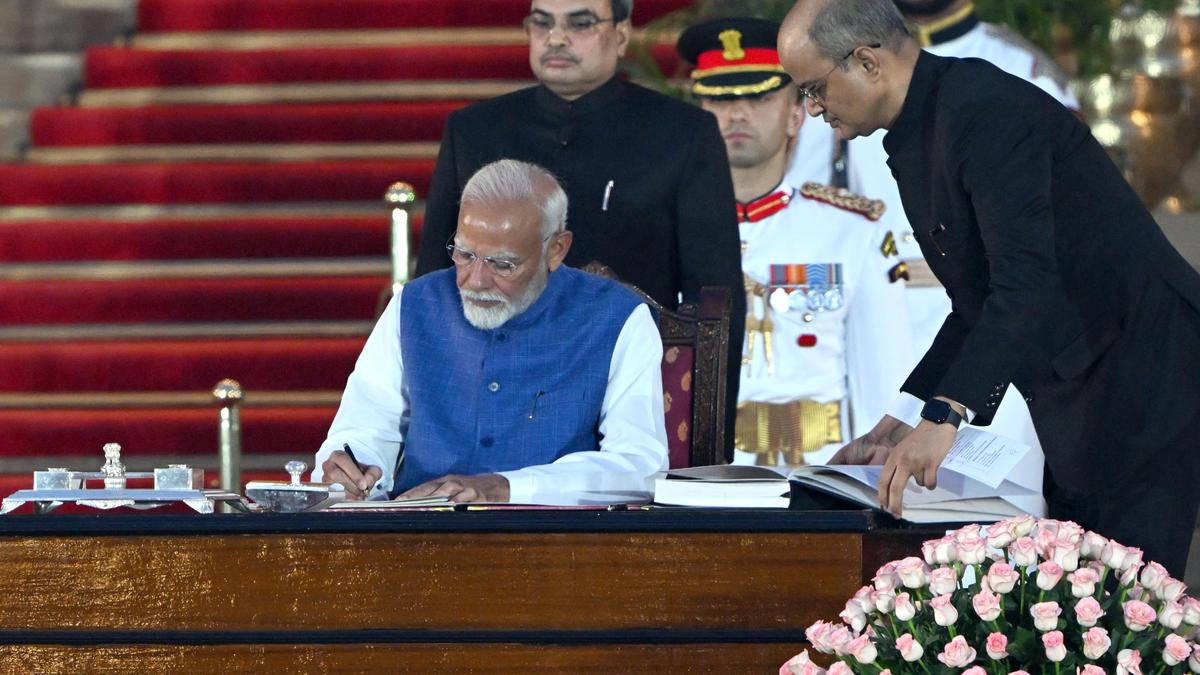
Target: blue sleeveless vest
[[523, 394]]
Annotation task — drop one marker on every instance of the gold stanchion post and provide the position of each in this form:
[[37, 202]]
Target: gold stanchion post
[[401, 197], [228, 394]]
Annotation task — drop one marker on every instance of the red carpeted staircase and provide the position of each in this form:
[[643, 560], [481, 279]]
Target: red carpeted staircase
[[211, 207]]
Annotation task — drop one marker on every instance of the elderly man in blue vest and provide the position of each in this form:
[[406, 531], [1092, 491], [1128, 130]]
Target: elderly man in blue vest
[[509, 377]]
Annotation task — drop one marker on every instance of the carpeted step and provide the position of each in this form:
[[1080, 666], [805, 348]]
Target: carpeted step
[[172, 239], [194, 15], [157, 432], [165, 300], [108, 67], [301, 92], [321, 123], [191, 365], [216, 182]]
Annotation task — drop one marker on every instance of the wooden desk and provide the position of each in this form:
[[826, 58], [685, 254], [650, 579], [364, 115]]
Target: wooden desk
[[663, 591]]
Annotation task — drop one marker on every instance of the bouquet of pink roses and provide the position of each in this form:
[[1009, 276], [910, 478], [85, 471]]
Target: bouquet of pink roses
[[1019, 596]]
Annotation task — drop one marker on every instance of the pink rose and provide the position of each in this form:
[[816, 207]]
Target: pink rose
[[1002, 577], [971, 548], [905, 610], [1152, 576], [1022, 525], [997, 646], [1088, 611], [1046, 538], [1096, 643], [862, 597], [943, 581], [840, 668], [883, 600], [862, 649], [801, 665], [1171, 589], [1194, 659], [1129, 661], [839, 639], [818, 635], [853, 616], [1093, 546], [1170, 614], [1048, 575], [1090, 669], [1138, 615], [1083, 581], [974, 670], [1053, 643], [1176, 650], [939, 551], [910, 650], [1045, 615], [1018, 672], [1114, 555], [913, 573], [957, 653], [1191, 611], [886, 579], [1024, 552], [987, 605], [1000, 534], [944, 613]]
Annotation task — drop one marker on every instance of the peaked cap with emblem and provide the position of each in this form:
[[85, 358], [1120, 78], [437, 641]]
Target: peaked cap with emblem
[[733, 57]]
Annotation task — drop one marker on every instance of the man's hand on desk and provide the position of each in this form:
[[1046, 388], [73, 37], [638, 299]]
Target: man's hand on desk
[[339, 468], [874, 446], [919, 455], [488, 487]]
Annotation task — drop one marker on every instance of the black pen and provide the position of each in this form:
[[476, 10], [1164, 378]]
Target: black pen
[[350, 454]]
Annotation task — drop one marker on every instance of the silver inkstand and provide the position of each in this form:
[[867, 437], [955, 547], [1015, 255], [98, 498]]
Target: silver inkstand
[[178, 483], [294, 496]]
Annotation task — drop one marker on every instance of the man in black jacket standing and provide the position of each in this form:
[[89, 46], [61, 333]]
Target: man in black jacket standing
[[1061, 282], [649, 186]]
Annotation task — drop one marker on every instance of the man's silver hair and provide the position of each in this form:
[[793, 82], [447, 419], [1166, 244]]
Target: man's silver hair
[[510, 180], [621, 10], [842, 26]]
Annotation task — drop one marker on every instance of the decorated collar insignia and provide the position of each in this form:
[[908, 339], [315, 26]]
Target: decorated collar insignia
[[763, 207], [871, 209]]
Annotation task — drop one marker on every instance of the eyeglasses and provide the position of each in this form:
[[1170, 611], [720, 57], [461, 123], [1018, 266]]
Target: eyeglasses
[[816, 93], [501, 267], [539, 24]]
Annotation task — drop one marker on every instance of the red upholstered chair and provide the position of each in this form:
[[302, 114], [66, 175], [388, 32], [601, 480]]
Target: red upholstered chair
[[695, 346]]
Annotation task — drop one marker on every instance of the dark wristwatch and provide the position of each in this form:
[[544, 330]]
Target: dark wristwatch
[[940, 412]]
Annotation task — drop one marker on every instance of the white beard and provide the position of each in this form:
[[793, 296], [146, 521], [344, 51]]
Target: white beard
[[489, 318]]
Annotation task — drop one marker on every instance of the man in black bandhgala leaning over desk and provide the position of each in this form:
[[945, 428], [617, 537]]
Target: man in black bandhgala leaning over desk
[[1061, 282]]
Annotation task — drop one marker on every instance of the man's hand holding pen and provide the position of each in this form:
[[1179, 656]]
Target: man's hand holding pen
[[342, 467]]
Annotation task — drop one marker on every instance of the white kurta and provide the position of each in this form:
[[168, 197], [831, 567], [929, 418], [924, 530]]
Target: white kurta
[[862, 351], [373, 417]]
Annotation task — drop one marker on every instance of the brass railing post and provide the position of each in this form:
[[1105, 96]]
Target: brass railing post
[[401, 197], [228, 394]]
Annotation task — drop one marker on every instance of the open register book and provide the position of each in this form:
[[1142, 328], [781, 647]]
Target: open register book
[[724, 485], [984, 478]]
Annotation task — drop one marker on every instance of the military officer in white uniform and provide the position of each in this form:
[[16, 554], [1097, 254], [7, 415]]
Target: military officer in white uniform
[[827, 341]]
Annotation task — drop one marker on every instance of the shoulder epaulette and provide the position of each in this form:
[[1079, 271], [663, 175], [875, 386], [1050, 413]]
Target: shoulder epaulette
[[842, 198]]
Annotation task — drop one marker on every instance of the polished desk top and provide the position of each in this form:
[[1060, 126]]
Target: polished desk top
[[479, 519]]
